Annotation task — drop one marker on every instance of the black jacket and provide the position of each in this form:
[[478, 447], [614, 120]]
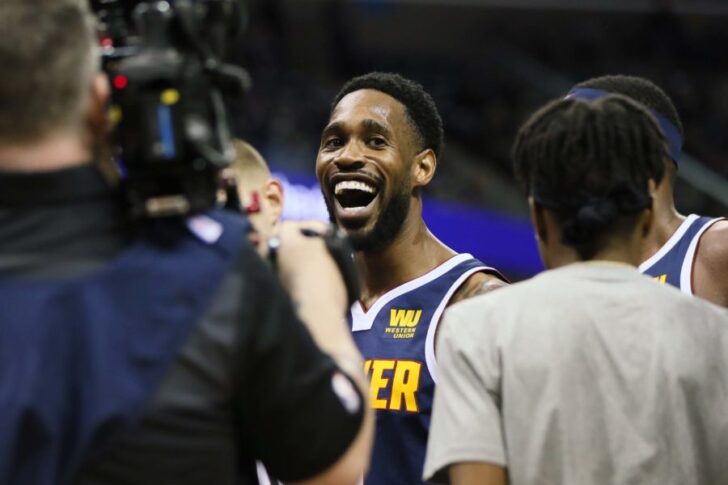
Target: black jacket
[[248, 383]]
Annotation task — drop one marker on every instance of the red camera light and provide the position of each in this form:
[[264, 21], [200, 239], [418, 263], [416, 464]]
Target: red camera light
[[120, 81]]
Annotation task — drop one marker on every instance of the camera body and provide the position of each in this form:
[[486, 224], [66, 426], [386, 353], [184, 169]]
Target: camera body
[[170, 131]]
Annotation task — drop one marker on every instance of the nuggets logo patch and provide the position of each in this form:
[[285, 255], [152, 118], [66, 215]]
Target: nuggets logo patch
[[402, 323], [661, 279]]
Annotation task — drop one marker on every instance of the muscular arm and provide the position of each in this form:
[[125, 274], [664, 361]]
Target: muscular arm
[[477, 474], [710, 277]]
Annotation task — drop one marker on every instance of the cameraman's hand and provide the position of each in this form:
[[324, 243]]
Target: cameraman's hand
[[316, 286], [304, 259]]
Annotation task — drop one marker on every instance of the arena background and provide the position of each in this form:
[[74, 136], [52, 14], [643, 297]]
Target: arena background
[[488, 64]]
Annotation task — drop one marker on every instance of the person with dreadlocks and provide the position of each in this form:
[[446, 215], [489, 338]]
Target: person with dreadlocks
[[689, 252], [589, 373]]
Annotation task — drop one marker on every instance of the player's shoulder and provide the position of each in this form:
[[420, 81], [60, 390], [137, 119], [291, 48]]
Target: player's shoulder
[[713, 246], [479, 283], [711, 264]]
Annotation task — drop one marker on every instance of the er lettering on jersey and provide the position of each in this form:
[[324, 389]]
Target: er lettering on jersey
[[393, 384]]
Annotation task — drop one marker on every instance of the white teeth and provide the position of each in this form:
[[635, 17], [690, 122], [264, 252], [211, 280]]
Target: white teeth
[[353, 185]]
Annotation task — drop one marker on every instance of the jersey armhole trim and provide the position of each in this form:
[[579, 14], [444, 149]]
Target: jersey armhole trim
[[363, 320], [667, 247], [688, 266], [435, 322]]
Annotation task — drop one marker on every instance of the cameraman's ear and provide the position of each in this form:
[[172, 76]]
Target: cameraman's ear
[[97, 110], [273, 193]]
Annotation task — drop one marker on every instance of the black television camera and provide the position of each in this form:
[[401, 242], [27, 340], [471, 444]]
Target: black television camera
[[170, 131]]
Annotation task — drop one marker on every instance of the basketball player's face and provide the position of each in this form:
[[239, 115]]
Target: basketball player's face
[[363, 167]]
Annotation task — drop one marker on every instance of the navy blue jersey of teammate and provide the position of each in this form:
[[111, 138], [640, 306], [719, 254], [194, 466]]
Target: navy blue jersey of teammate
[[673, 263], [396, 336]]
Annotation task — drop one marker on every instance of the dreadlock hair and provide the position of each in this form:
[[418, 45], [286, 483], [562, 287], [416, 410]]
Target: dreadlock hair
[[641, 90], [590, 163], [419, 106]]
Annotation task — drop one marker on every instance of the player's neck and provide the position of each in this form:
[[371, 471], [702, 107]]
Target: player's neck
[[666, 221], [54, 152], [414, 252]]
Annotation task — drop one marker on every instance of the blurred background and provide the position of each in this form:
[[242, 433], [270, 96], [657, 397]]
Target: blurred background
[[488, 64]]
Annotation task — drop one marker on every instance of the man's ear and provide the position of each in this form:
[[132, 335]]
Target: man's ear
[[424, 168], [273, 193], [96, 111], [98, 127], [538, 220]]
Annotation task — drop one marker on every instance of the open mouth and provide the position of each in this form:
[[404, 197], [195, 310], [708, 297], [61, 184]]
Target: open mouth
[[353, 194], [355, 201]]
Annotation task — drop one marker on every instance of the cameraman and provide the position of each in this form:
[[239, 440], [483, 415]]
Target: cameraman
[[162, 352]]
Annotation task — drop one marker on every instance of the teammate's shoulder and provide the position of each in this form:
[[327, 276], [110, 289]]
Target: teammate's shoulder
[[711, 264], [479, 283], [714, 243]]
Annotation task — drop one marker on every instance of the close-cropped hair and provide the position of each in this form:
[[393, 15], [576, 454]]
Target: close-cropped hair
[[641, 90], [48, 54], [419, 106], [590, 162], [249, 166]]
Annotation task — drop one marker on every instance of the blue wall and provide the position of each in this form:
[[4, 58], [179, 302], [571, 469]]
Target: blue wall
[[504, 242]]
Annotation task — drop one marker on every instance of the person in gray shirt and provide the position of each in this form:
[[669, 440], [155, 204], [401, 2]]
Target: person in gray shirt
[[589, 373]]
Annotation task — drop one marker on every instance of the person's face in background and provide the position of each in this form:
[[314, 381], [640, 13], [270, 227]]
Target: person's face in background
[[259, 194], [263, 204]]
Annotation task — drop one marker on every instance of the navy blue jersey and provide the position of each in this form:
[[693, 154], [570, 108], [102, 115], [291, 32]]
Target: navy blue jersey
[[673, 263], [397, 339]]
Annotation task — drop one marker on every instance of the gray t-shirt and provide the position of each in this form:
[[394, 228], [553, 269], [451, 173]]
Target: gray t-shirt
[[587, 374]]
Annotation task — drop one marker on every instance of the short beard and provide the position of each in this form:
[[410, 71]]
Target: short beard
[[386, 228]]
